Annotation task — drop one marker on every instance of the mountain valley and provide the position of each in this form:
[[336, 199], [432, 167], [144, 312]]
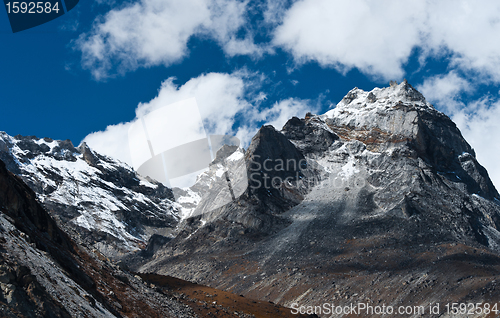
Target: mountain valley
[[379, 201]]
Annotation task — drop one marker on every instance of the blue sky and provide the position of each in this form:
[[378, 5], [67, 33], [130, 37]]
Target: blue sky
[[88, 73]]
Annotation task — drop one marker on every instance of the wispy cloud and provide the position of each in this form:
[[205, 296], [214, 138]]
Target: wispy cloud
[[156, 32], [227, 105], [477, 119], [479, 125], [446, 90]]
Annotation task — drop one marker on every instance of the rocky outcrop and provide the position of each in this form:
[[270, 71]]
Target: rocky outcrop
[[44, 274], [307, 136]]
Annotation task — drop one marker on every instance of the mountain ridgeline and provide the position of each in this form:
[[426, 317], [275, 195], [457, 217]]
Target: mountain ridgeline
[[380, 200], [391, 208], [102, 203]]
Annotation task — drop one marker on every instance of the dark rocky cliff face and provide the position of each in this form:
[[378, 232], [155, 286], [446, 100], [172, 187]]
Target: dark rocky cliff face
[[392, 207], [43, 273]]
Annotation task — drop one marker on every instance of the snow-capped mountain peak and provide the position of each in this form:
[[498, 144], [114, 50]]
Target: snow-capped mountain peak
[[99, 199], [380, 99]]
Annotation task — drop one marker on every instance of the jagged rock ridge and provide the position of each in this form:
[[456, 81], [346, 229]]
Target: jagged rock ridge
[[101, 202], [43, 273]]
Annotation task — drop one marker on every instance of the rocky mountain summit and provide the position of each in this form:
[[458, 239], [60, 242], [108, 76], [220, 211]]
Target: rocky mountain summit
[[387, 204]]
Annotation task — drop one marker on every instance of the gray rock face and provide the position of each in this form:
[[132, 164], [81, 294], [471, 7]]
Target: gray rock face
[[391, 194], [307, 136], [401, 117], [101, 202], [43, 273]]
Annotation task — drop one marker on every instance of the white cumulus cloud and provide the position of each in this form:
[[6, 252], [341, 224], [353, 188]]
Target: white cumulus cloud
[[223, 100], [378, 36], [112, 142], [156, 32], [375, 36]]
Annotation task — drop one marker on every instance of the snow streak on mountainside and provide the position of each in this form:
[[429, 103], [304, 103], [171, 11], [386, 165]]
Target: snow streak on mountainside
[[211, 189], [99, 201]]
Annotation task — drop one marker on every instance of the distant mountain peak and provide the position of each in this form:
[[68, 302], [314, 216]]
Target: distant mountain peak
[[106, 204]]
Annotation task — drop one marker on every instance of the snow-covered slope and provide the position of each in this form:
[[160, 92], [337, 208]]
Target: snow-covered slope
[[212, 189], [100, 201]]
